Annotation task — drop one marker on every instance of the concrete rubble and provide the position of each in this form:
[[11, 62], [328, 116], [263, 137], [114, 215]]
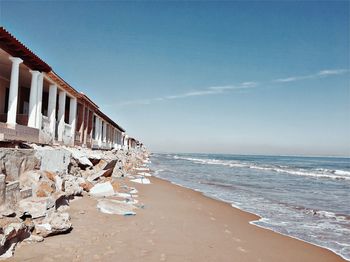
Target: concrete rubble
[[37, 184]]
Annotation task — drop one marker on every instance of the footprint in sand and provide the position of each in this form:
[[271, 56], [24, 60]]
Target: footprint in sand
[[241, 249], [236, 239], [109, 252], [150, 241], [227, 231], [162, 257], [145, 252], [212, 218]]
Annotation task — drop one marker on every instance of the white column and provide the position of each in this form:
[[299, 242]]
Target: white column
[[100, 132], [60, 117], [13, 95], [104, 139], [51, 110], [73, 116], [39, 116], [33, 98]]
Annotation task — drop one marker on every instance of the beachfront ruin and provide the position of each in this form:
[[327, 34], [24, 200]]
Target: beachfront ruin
[[55, 145], [38, 106]]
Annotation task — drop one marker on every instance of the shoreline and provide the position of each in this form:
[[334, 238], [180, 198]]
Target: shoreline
[[253, 214], [174, 224]]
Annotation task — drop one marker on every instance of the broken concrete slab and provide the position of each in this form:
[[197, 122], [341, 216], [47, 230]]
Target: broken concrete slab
[[145, 174], [12, 194], [53, 159], [98, 174], [133, 191], [34, 239], [26, 192], [141, 180], [72, 185], [35, 207], [80, 156], [12, 234], [2, 189], [14, 162], [102, 190], [54, 223], [142, 168], [110, 206]]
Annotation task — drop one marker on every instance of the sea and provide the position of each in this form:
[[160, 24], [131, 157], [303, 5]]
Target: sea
[[307, 198]]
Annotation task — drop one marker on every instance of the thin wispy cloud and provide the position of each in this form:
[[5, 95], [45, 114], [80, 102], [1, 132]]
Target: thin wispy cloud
[[216, 90], [322, 73]]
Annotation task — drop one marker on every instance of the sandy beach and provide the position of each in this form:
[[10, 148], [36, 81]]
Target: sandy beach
[[176, 224]]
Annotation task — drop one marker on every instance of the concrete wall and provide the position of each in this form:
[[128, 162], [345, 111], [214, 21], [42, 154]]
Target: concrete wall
[[14, 162]]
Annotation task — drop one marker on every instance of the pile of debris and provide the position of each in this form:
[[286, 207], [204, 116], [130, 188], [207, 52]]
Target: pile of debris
[[37, 184]]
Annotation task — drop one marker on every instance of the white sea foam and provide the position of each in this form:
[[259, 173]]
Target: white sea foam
[[317, 173], [284, 191]]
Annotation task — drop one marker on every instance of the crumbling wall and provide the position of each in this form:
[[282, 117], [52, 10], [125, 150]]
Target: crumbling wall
[[14, 162], [37, 184]]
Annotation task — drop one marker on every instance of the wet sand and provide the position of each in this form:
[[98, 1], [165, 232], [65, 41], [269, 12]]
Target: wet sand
[[176, 224]]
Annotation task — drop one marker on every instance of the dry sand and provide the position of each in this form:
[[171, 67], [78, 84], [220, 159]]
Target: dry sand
[[177, 224]]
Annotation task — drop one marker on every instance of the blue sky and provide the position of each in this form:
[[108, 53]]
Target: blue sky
[[233, 77]]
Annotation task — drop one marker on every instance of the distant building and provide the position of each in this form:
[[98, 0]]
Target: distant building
[[38, 106]]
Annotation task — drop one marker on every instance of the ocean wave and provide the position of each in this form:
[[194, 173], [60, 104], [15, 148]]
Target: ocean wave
[[317, 172]]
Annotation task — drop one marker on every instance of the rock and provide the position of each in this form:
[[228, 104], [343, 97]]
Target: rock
[[118, 172], [142, 168], [42, 183], [2, 189], [116, 186], [72, 185], [145, 174], [45, 189], [97, 175], [12, 234], [141, 180], [8, 251], [102, 190], [124, 195], [53, 224], [133, 191], [110, 165], [29, 178], [86, 186], [59, 183], [110, 206], [80, 156], [14, 162], [7, 211], [101, 165], [34, 207], [26, 192], [12, 193], [108, 172], [34, 239], [53, 159]]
